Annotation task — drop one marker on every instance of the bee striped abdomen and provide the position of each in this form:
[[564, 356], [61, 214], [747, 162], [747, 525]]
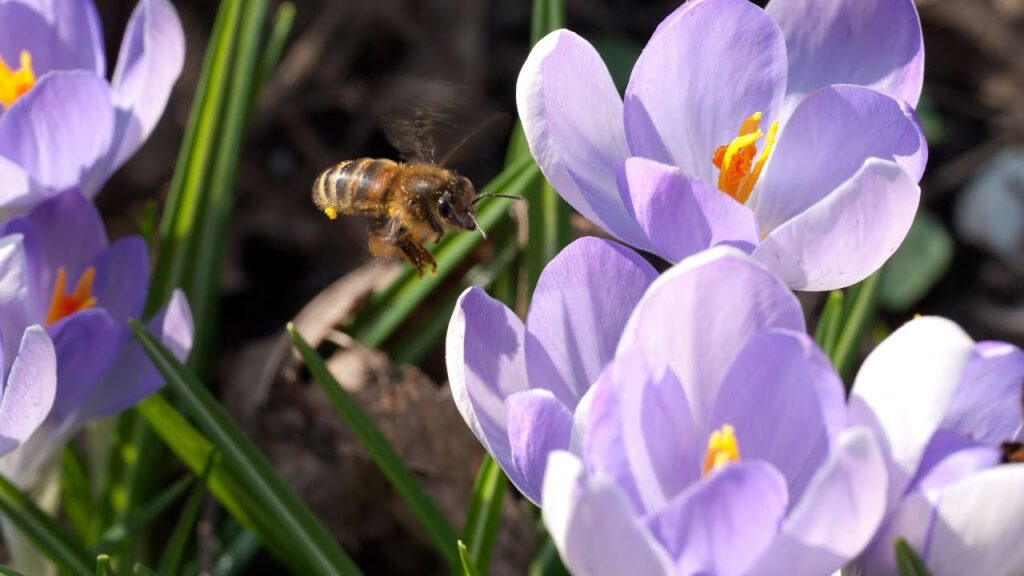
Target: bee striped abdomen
[[354, 187]]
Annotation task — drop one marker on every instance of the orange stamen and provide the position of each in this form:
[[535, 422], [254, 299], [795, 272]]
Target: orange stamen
[[16, 83], [723, 449], [738, 170], [63, 305]]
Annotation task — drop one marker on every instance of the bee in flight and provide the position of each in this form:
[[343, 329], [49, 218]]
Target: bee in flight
[[411, 202]]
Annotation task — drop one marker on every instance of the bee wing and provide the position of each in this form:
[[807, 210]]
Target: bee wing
[[432, 121]]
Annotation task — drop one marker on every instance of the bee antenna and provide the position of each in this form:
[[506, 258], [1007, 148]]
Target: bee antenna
[[482, 196], [478, 227]]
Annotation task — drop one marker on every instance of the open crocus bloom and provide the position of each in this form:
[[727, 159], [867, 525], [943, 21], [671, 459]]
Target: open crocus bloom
[[62, 124], [949, 410], [788, 132], [691, 424], [59, 272]]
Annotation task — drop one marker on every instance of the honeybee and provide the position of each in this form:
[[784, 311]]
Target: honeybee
[[1013, 452], [411, 202]]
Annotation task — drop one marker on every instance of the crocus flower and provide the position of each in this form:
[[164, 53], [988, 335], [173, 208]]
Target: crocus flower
[[28, 381], [788, 132], [62, 123], [691, 424], [61, 273], [950, 413]]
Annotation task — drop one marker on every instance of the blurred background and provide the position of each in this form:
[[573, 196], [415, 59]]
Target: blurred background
[[964, 258]]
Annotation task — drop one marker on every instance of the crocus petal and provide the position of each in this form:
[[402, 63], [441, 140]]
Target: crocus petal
[[133, 377], [30, 389], [484, 354], [59, 132], [959, 465], [904, 387], [680, 215], [538, 424], [838, 514], [874, 43], [572, 116], [987, 405], [641, 433], [60, 35], [151, 58], [827, 140], [583, 298], [978, 525], [724, 523], [699, 314], [785, 403], [706, 69], [87, 344], [122, 278], [17, 188], [63, 231], [593, 525], [15, 288], [849, 234]]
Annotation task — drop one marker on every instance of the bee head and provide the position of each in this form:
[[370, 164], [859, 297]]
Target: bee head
[[455, 206]]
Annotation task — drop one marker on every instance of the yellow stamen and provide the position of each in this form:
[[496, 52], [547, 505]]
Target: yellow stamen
[[738, 170], [723, 449], [63, 305], [15, 83], [331, 212]]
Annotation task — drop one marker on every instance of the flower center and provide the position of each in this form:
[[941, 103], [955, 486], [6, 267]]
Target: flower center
[[723, 449], [63, 305], [738, 170], [15, 83]]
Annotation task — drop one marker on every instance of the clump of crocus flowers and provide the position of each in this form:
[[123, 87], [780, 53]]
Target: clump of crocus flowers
[[686, 423]]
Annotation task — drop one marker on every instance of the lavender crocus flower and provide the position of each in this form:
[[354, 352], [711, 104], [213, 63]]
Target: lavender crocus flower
[[950, 413], [788, 132], [62, 124], [61, 273], [691, 424]]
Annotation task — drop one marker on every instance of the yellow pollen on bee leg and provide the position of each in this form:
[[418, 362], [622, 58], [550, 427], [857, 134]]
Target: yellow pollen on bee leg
[[735, 160], [723, 449], [16, 83], [63, 305], [331, 212]]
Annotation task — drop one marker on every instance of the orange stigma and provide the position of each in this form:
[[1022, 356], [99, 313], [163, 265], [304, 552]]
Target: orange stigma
[[15, 83], [63, 305], [738, 162], [723, 449]]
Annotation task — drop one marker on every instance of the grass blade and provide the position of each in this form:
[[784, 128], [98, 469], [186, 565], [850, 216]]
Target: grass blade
[[5, 571], [141, 516], [484, 515], [174, 552], [305, 535], [76, 494], [185, 201], [907, 561], [205, 251], [859, 311], [43, 531], [143, 570], [284, 18], [378, 447], [468, 568], [827, 331]]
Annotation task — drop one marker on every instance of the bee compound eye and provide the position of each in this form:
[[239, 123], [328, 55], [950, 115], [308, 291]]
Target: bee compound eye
[[444, 205]]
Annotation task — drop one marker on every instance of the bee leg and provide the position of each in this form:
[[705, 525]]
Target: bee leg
[[416, 254], [400, 239]]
